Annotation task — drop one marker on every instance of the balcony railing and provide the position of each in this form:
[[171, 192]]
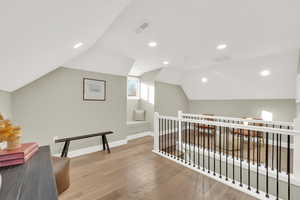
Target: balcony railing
[[234, 120], [256, 157]]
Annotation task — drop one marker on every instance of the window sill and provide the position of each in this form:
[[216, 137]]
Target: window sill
[[136, 98]]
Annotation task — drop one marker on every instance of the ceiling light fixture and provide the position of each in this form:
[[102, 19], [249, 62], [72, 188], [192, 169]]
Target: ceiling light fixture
[[204, 80], [265, 73], [222, 46], [166, 62], [79, 44], [152, 44]]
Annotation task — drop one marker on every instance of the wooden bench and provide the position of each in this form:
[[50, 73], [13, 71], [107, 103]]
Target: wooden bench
[[69, 139]]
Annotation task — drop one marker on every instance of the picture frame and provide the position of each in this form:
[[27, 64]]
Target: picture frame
[[94, 89]]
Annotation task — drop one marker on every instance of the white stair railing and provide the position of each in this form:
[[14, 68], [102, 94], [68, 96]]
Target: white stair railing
[[273, 124], [247, 157]]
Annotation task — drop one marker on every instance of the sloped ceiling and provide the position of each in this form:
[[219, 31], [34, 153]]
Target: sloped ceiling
[[187, 32], [38, 36], [99, 58], [259, 35], [242, 79]]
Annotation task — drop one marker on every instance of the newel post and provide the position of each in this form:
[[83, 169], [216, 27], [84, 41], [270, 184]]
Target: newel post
[[179, 129], [296, 154], [156, 132]]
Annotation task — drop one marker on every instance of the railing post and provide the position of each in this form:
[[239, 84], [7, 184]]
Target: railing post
[[296, 157], [179, 129], [179, 114], [156, 132]]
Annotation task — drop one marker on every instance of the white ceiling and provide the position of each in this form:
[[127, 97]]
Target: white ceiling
[[38, 36], [187, 32], [102, 59], [242, 79]]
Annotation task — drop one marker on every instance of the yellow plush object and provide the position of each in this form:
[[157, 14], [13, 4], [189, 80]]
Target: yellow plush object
[[8, 132]]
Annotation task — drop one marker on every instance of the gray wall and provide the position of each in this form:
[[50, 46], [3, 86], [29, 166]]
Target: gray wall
[[132, 104], [149, 79], [282, 109], [298, 70], [53, 106], [169, 99], [5, 104]]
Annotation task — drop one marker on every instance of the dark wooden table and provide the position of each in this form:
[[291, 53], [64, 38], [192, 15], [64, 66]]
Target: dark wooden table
[[67, 141], [33, 180]]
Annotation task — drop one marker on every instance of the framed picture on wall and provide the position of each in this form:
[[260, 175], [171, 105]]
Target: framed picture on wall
[[94, 90]]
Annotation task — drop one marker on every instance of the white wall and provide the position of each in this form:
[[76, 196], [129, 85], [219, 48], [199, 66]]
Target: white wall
[[5, 104]]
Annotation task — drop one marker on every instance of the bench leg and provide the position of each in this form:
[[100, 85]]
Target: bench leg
[[106, 142], [65, 149], [103, 142]]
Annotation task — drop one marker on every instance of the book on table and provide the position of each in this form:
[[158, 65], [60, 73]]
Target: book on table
[[18, 156]]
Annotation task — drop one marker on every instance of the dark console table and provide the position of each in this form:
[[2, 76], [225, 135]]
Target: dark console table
[[32, 181]]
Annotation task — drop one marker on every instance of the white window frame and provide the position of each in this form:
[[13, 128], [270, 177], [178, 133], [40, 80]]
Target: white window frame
[[138, 88]]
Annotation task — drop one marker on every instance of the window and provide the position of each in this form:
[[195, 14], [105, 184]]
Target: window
[[133, 87], [151, 94], [144, 91], [267, 116], [147, 93]]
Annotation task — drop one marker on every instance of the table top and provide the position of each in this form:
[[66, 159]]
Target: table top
[[33, 180]]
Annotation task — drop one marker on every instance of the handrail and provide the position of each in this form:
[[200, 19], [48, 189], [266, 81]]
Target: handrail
[[245, 127], [239, 119], [237, 126], [168, 117]]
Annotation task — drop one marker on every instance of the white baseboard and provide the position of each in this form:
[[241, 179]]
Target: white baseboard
[[92, 149], [139, 135]]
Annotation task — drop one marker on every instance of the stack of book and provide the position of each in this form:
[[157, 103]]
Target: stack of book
[[18, 156]]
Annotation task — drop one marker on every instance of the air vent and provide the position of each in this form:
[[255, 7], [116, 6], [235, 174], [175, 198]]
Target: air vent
[[222, 59], [142, 27]]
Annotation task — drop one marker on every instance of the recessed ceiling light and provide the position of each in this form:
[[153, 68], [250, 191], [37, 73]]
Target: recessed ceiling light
[[79, 44], [166, 62], [204, 80], [152, 44], [265, 73], [221, 46]]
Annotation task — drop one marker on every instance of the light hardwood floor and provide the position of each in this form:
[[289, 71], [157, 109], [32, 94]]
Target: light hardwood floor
[[133, 172]]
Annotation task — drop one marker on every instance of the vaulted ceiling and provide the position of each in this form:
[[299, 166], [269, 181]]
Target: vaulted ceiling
[[37, 37], [187, 32]]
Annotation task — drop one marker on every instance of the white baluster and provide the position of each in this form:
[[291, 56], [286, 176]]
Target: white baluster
[[180, 128], [296, 154], [156, 132]]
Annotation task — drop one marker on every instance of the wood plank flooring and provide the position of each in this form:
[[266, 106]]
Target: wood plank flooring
[[133, 172]]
